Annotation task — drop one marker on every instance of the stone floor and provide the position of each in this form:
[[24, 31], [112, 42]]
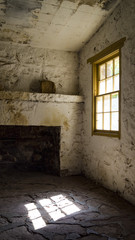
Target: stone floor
[[36, 206]]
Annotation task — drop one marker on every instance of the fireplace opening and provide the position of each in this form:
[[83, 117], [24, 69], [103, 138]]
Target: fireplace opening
[[30, 148]]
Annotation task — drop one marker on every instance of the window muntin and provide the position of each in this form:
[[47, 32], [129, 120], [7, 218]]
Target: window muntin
[[108, 76]]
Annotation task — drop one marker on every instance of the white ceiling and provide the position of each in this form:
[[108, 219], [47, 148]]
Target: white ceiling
[[54, 24]]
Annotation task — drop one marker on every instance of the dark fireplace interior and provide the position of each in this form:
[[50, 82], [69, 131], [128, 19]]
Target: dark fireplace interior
[[30, 148]]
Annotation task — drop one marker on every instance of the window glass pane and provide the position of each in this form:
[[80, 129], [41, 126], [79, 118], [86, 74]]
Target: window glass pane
[[116, 82], [102, 71], [99, 121], [115, 121], [116, 65], [109, 84], [110, 68], [115, 102], [107, 103], [102, 87], [99, 104], [106, 121]]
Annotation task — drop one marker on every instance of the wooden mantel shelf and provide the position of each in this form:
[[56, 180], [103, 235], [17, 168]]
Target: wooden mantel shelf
[[40, 97]]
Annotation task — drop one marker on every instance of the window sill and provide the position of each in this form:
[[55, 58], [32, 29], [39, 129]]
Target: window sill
[[107, 134]]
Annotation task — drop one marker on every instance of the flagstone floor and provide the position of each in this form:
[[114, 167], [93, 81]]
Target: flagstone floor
[[38, 207]]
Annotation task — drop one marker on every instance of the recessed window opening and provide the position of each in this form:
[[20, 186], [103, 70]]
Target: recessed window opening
[[106, 105], [56, 207]]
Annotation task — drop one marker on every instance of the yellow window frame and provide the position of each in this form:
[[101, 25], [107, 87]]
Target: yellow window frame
[[106, 55]]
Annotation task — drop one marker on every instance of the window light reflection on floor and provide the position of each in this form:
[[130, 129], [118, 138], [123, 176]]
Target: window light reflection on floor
[[35, 216], [56, 207]]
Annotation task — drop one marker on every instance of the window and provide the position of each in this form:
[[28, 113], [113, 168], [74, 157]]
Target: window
[[106, 90]]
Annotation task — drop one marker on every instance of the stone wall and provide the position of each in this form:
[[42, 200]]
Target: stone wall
[[108, 160], [22, 68]]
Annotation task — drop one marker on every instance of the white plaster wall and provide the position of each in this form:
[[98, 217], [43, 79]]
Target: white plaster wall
[[37, 112], [111, 161], [22, 68]]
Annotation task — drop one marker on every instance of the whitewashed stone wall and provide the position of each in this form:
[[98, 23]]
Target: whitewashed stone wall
[[48, 110], [22, 68], [108, 160]]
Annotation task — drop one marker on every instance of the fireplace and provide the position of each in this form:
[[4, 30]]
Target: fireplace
[[30, 148], [41, 131]]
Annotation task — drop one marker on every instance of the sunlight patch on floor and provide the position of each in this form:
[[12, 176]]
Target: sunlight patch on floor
[[56, 207], [35, 216]]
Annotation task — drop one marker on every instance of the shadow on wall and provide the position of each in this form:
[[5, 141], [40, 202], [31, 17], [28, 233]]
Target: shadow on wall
[[35, 86]]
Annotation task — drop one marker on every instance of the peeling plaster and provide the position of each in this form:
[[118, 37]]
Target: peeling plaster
[[22, 5], [50, 24]]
